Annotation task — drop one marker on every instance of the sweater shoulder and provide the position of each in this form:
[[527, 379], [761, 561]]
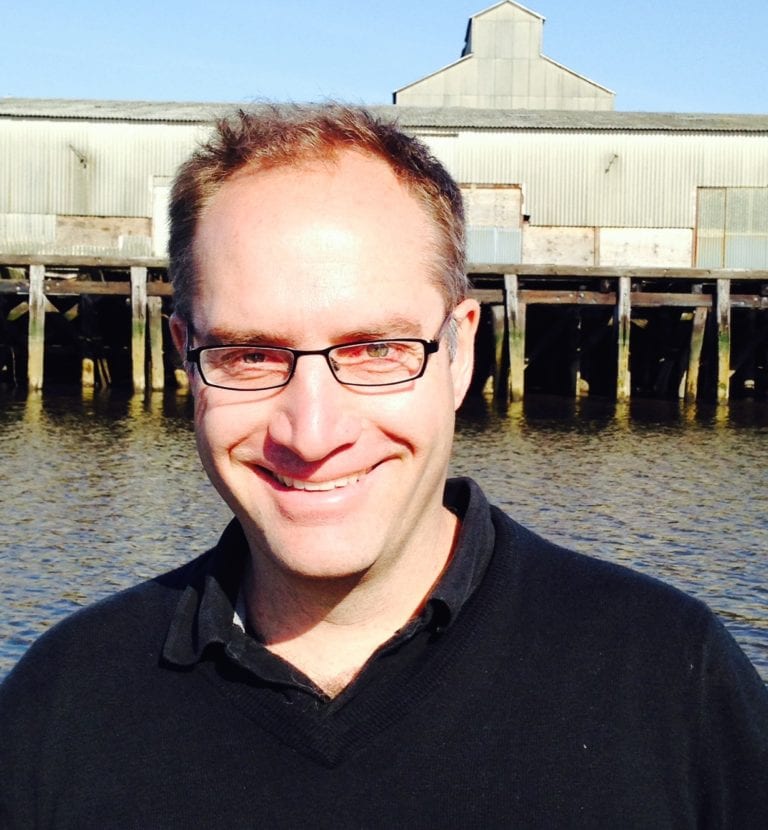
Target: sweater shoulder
[[128, 623], [579, 617], [572, 588]]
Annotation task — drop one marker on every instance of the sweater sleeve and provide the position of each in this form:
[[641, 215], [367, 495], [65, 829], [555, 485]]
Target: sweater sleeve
[[733, 734], [28, 711]]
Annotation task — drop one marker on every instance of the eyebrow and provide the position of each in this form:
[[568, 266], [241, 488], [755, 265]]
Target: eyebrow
[[392, 327]]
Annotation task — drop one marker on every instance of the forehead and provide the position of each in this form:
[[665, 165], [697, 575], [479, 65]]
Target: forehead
[[325, 238]]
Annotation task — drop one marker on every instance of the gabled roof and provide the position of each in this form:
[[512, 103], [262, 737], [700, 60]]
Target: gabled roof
[[502, 65]]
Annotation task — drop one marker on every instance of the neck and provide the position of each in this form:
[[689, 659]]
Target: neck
[[328, 628]]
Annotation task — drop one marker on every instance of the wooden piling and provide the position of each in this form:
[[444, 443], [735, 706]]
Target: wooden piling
[[500, 356], [88, 373], [36, 333], [694, 355], [156, 368], [516, 336], [723, 339], [623, 316], [578, 385], [138, 327], [88, 363]]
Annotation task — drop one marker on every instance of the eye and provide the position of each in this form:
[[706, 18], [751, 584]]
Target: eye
[[377, 349]]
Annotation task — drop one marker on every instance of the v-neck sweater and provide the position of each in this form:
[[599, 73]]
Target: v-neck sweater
[[564, 692]]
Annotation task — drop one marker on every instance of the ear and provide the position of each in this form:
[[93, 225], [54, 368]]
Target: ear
[[467, 317], [179, 331], [179, 334]]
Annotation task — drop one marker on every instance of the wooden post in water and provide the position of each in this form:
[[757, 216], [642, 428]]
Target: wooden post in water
[[36, 333], [500, 356], [138, 327], [155, 315], [516, 334], [694, 355], [88, 365], [723, 339], [624, 316]]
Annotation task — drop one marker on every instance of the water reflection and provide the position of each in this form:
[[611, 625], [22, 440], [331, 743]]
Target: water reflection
[[101, 490]]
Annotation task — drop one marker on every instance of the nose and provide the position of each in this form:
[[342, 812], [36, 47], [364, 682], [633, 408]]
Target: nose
[[315, 414]]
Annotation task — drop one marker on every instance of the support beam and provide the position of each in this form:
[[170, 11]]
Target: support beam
[[694, 354], [723, 339], [516, 335], [156, 368], [139, 327], [623, 314], [36, 333]]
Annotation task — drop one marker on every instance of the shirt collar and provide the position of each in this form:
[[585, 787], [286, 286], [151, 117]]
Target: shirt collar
[[473, 552], [204, 613]]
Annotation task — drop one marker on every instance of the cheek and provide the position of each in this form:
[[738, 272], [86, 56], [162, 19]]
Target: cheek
[[222, 425], [424, 419]]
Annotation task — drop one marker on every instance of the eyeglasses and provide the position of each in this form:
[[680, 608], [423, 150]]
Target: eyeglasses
[[248, 368]]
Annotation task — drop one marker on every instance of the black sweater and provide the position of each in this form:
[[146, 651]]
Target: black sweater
[[567, 692]]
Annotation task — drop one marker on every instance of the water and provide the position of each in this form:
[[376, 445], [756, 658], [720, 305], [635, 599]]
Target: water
[[99, 492]]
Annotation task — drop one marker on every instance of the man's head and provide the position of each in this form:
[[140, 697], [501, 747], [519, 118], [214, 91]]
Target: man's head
[[341, 251], [289, 136]]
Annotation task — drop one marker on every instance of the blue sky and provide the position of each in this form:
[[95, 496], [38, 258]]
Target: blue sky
[[673, 56]]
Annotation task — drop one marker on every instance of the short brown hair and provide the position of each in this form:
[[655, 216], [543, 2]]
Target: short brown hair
[[276, 135]]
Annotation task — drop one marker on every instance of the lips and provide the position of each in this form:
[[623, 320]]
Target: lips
[[331, 484]]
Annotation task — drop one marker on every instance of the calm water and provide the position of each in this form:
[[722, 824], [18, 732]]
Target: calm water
[[100, 492]]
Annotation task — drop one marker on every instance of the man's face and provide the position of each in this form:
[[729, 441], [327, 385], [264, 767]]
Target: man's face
[[327, 480]]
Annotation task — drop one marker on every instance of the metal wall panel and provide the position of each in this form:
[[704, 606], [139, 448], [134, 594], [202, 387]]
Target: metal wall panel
[[87, 168], [569, 178], [22, 233], [607, 178], [494, 245]]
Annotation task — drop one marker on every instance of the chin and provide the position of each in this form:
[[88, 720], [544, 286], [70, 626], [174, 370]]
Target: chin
[[311, 557]]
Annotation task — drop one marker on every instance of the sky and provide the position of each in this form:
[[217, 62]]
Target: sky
[[657, 56]]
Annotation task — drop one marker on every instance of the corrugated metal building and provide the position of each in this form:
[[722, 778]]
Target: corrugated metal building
[[560, 187], [91, 178], [550, 173]]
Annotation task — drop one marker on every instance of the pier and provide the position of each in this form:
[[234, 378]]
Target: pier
[[692, 333]]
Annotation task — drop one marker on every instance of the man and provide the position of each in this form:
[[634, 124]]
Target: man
[[368, 645]]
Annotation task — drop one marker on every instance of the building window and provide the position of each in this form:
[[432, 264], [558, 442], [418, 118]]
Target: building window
[[732, 227]]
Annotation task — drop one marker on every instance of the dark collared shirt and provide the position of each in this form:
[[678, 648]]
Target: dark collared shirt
[[204, 623]]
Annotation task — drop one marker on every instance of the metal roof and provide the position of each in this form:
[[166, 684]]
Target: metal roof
[[444, 118], [92, 110], [493, 119]]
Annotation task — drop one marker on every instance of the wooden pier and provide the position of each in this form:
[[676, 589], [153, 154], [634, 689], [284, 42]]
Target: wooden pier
[[51, 279], [601, 313], [701, 295]]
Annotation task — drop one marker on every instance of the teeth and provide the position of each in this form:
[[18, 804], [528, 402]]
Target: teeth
[[297, 484]]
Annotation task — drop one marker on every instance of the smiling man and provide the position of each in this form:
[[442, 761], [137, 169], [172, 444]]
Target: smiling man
[[370, 644], [334, 463]]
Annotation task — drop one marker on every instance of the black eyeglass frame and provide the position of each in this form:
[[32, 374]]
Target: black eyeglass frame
[[429, 346]]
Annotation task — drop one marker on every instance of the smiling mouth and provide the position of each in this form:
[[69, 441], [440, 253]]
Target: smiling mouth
[[333, 484]]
